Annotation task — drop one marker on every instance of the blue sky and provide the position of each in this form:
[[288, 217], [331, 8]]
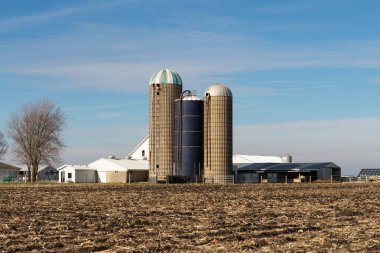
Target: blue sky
[[305, 74]]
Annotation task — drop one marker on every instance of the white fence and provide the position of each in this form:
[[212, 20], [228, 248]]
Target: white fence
[[221, 180], [369, 178]]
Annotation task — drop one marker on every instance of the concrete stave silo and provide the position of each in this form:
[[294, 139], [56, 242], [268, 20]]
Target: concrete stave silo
[[164, 87], [218, 134], [189, 137]]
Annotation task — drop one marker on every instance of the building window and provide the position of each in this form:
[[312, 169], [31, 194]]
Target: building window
[[69, 175], [143, 153], [157, 166], [158, 93]]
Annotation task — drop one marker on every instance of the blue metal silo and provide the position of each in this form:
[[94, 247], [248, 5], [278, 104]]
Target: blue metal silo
[[189, 137]]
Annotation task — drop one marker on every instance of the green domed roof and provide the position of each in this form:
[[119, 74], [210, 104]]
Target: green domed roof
[[165, 76]]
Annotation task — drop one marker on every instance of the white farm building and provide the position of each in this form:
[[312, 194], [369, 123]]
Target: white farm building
[[134, 168], [76, 174], [105, 170], [111, 170], [141, 151]]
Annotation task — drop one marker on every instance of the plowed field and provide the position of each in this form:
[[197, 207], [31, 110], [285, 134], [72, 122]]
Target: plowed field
[[196, 218]]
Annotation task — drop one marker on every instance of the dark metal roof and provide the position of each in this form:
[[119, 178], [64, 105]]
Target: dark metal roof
[[305, 167], [369, 172]]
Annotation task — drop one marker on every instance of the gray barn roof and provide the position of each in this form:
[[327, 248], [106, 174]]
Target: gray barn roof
[[369, 172], [6, 166]]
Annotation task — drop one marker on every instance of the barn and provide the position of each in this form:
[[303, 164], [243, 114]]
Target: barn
[[9, 172], [76, 174], [44, 173], [112, 170], [288, 172]]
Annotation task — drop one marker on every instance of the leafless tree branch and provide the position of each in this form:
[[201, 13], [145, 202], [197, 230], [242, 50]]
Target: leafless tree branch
[[3, 145], [36, 131]]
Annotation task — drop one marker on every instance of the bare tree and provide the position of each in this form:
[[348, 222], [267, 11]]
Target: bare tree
[[3, 145], [36, 131]]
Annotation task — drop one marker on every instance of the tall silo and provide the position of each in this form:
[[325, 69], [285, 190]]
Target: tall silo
[[218, 134], [189, 137], [164, 87]]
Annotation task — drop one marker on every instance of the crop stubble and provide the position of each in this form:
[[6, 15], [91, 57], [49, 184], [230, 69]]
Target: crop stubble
[[191, 218]]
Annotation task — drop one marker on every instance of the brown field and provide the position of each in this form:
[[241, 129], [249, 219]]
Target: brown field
[[190, 218]]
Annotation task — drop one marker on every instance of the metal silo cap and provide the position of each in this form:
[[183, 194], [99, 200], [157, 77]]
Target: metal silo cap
[[163, 76], [218, 90]]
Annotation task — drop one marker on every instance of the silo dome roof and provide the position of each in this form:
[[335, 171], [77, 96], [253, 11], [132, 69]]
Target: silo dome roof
[[191, 97], [165, 76], [219, 89]]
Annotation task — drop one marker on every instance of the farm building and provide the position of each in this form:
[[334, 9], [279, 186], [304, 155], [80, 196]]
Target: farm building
[[372, 174], [45, 172], [106, 170], [240, 161], [112, 170], [141, 151], [9, 172], [76, 174], [288, 172]]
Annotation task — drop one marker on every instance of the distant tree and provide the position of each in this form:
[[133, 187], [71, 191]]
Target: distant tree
[[3, 145], [36, 132]]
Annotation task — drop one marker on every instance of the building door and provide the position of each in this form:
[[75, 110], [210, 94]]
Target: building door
[[62, 176]]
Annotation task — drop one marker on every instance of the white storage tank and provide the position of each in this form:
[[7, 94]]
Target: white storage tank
[[287, 158]]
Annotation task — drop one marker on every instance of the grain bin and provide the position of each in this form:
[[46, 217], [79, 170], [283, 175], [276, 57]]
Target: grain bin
[[287, 158], [164, 87], [218, 134], [189, 137]]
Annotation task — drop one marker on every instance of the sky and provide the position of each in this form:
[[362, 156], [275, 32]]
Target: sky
[[305, 75]]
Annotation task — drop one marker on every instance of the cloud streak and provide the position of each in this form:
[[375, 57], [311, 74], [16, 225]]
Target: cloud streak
[[124, 60], [13, 23], [376, 80], [282, 8]]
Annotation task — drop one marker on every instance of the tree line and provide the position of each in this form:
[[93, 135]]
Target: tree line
[[35, 132]]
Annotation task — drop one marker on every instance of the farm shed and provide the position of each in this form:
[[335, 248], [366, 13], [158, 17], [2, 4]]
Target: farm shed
[[141, 151], [372, 174], [288, 172], [9, 172], [76, 174], [45, 172], [112, 170], [240, 161]]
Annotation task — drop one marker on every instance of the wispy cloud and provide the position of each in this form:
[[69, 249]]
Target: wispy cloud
[[22, 21], [108, 115], [376, 80], [119, 57], [28, 20], [288, 7], [104, 106], [91, 143], [198, 63]]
